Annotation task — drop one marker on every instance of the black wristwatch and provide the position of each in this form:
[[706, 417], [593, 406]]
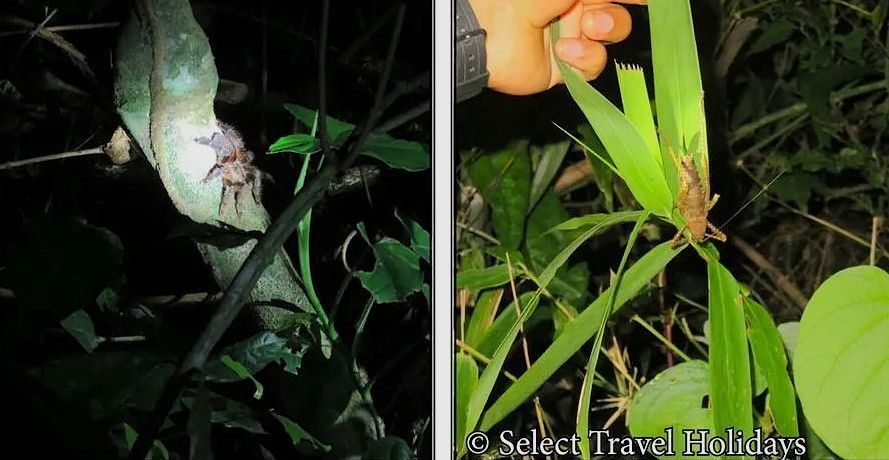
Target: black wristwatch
[[469, 54]]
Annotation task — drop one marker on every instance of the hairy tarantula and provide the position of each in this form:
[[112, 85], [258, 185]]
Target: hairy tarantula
[[234, 163]]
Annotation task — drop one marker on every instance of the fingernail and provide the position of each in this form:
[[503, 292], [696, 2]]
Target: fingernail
[[571, 49], [602, 22]]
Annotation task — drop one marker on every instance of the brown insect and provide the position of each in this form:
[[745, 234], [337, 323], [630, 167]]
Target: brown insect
[[234, 163], [694, 200]]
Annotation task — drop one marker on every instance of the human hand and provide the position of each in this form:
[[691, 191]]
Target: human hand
[[518, 45]]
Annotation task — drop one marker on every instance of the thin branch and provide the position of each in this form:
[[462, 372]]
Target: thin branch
[[781, 280], [55, 156], [403, 118]]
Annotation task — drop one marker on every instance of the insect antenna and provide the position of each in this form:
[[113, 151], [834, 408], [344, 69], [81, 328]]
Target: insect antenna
[[751, 200]]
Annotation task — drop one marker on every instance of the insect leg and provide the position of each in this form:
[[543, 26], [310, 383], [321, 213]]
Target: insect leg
[[717, 233], [712, 202]]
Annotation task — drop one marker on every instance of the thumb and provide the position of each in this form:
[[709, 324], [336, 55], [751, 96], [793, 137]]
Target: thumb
[[542, 12]]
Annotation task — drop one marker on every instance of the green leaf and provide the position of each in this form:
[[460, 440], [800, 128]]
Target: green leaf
[[789, 332], [730, 392], [80, 326], [551, 158], [467, 380], [419, 236], [337, 130], [768, 350], [637, 106], [253, 354], [504, 180], [243, 373], [498, 330], [483, 278], [480, 396], [396, 273], [677, 81], [298, 435], [397, 153], [675, 398], [601, 171], [297, 143], [642, 173], [602, 221], [576, 333], [76, 259], [583, 411], [482, 316], [840, 364]]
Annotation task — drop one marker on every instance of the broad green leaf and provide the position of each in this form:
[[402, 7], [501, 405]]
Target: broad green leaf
[[677, 80], [789, 333], [479, 398], [80, 326], [583, 411], [578, 332], [467, 379], [768, 351], [125, 436], [298, 435], [482, 316], [551, 157], [419, 236], [233, 414], [637, 106], [675, 398], [337, 130], [840, 364], [397, 153], [297, 143], [504, 180], [396, 273], [730, 380], [253, 354], [484, 278]]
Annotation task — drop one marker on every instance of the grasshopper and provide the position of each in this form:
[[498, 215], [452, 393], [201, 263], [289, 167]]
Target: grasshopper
[[694, 200]]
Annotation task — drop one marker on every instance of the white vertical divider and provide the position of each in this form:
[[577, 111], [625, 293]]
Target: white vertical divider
[[443, 229]]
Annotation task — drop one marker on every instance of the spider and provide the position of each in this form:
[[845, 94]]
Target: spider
[[234, 163]]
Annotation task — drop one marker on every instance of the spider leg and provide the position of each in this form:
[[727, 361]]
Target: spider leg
[[213, 173], [228, 195], [256, 188]]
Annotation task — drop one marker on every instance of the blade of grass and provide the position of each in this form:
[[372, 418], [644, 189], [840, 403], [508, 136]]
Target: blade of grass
[[583, 406], [642, 173], [637, 106], [576, 333], [677, 78], [730, 381], [768, 349]]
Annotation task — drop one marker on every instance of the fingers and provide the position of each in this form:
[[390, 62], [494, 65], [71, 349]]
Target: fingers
[[541, 12], [605, 22], [587, 56]]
